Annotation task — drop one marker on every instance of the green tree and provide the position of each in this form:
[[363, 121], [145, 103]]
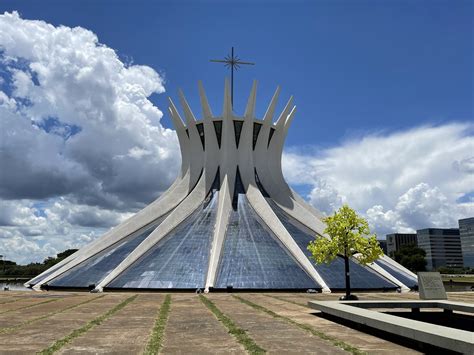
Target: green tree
[[348, 235], [412, 257]]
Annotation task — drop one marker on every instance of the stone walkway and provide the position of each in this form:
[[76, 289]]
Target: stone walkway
[[272, 334], [279, 323], [192, 328]]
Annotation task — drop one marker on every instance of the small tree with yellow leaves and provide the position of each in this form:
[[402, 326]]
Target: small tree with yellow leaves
[[348, 235]]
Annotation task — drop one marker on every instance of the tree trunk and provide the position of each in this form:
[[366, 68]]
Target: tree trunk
[[348, 277]]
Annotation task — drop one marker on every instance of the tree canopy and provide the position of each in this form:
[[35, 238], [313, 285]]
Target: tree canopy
[[348, 235], [412, 257], [11, 269]]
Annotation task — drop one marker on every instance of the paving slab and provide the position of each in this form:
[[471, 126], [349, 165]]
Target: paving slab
[[274, 335], [18, 316], [39, 335], [126, 332], [304, 315], [29, 299], [193, 329]]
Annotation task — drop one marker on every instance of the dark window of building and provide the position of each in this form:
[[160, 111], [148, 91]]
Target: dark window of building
[[259, 184], [256, 131], [272, 131], [218, 129], [238, 189], [200, 128], [237, 130]]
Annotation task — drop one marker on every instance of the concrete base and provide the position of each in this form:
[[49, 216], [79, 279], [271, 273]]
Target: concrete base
[[448, 338]]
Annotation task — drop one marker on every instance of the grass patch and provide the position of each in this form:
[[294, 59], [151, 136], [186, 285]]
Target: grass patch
[[239, 333], [463, 279], [334, 341], [156, 340], [57, 345], [30, 306], [11, 329]]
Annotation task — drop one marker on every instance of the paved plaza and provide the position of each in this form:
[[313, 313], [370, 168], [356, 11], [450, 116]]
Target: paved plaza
[[183, 323]]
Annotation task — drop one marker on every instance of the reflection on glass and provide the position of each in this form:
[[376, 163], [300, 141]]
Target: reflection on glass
[[334, 273], [252, 258], [399, 274], [94, 269], [180, 259]]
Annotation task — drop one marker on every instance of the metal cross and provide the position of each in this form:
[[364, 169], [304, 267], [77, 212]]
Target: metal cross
[[232, 62]]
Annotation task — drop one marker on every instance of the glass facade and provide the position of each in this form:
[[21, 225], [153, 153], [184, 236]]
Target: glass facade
[[96, 268], [334, 273], [466, 233], [399, 274], [442, 247], [40, 278], [252, 258], [179, 260]]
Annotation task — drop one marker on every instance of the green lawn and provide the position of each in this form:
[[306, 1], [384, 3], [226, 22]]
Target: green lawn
[[464, 279]]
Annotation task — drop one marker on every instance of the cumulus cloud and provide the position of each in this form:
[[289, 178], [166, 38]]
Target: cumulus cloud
[[400, 181], [78, 134]]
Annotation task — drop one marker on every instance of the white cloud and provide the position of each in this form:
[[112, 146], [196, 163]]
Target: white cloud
[[79, 136], [82, 147], [400, 181]]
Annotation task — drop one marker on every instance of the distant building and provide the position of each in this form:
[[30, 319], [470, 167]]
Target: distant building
[[466, 233], [442, 247], [383, 245], [396, 240]]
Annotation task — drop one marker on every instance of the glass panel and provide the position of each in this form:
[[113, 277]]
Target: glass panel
[[334, 273], [252, 257], [179, 260], [237, 130], [200, 129], [218, 129], [238, 189], [94, 269], [401, 275], [256, 131], [48, 272]]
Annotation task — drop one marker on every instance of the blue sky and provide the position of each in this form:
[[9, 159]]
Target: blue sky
[[383, 91], [353, 66]]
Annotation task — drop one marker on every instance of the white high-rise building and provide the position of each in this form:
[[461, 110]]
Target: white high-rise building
[[228, 221]]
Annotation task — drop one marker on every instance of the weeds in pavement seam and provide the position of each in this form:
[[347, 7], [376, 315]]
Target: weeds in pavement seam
[[240, 334], [11, 301], [30, 306], [285, 300], [156, 339], [334, 341], [57, 345], [15, 327]]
